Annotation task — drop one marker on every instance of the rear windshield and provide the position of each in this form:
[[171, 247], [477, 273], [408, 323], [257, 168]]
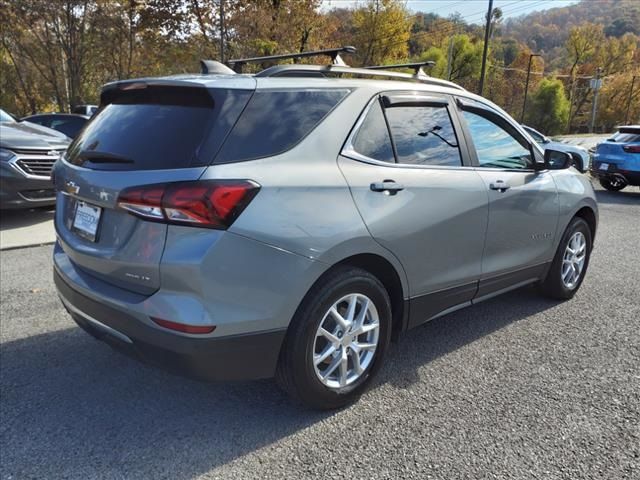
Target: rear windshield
[[626, 136], [274, 121], [158, 127]]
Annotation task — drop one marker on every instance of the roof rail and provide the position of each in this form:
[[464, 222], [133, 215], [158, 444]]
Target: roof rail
[[334, 53], [215, 67], [417, 67], [326, 70]]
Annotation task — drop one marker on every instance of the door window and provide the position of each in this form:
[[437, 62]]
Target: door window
[[424, 135], [494, 146], [372, 139]]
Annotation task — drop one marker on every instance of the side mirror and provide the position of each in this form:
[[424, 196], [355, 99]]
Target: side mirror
[[557, 160]]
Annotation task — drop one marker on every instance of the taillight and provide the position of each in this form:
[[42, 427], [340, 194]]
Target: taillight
[[631, 148], [202, 203]]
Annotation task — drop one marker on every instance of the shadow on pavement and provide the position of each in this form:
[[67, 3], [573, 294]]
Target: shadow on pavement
[[134, 420], [11, 219], [628, 196]]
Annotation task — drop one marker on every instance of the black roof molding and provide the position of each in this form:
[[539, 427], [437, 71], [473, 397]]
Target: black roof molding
[[334, 53]]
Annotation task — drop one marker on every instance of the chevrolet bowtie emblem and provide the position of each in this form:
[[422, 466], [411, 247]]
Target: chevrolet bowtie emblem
[[71, 187]]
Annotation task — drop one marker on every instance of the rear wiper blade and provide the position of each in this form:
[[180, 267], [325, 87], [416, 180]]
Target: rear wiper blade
[[103, 157]]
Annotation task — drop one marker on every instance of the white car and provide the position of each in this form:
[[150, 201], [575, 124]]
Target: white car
[[580, 155]]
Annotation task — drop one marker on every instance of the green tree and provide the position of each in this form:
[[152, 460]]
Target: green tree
[[437, 55], [382, 31], [466, 58], [549, 107]]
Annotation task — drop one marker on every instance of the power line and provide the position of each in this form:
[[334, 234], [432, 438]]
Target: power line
[[455, 29]]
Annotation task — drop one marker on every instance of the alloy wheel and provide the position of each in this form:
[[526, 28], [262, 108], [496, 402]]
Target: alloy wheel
[[573, 260], [346, 341]]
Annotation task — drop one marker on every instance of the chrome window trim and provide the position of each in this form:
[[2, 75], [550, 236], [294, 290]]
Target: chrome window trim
[[350, 152]]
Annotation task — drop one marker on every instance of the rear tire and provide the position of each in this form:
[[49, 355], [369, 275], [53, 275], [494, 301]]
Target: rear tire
[[317, 332], [613, 185], [570, 263]]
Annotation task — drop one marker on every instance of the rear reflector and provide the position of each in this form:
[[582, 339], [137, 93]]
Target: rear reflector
[[181, 327], [631, 148], [202, 203]]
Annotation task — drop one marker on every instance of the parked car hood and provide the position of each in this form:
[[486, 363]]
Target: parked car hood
[[29, 135], [565, 147]]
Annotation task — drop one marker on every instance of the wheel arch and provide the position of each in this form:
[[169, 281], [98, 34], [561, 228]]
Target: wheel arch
[[385, 271], [589, 216]]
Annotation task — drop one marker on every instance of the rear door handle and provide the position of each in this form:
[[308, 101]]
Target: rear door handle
[[499, 185], [389, 187]]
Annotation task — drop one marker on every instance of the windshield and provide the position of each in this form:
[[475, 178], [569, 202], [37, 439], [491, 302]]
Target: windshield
[[535, 135], [5, 117], [158, 127]]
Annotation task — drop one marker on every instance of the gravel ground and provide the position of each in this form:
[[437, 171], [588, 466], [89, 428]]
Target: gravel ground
[[516, 387]]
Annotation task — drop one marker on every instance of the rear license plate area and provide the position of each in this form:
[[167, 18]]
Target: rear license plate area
[[86, 220]]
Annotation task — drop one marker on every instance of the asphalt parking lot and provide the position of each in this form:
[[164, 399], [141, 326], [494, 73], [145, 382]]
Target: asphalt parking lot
[[516, 387]]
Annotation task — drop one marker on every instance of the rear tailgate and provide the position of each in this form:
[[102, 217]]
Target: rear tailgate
[[612, 151], [144, 134]]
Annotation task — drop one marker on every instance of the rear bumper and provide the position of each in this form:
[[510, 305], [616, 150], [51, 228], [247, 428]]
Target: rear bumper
[[234, 357], [18, 191], [632, 177]]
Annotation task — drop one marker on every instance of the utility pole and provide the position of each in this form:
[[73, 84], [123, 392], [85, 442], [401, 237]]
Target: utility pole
[[487, 29], [626, 116], [450, 57], [526, 86], [596, 83], [222, 31]]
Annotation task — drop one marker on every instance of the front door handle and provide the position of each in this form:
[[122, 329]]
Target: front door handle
[[499, 185], [388, 187]]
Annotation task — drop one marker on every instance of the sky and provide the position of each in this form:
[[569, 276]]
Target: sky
[[473, 11]]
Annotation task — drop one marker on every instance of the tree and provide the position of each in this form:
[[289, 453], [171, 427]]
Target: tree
[[437, 55], [549, 107], [466, 58], [382, 30]]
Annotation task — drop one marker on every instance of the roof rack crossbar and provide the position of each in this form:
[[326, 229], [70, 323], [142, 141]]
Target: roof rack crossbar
[[320, 70], [416, 66], [333, 53]]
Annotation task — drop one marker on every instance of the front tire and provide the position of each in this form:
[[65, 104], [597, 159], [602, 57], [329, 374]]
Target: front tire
[[570, 263], [612, 184], [337, 339]]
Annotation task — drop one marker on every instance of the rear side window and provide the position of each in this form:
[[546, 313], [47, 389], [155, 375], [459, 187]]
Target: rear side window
[[626, 137], [158, 127], [275, 121], [372, 139], [424, 135]]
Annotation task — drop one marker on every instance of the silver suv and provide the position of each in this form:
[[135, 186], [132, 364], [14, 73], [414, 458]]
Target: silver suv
[[292, 222]]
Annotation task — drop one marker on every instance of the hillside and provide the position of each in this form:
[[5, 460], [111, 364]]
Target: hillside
[[548, 30]]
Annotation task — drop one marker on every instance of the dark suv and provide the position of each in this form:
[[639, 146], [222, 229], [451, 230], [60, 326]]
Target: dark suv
[[27, 154]]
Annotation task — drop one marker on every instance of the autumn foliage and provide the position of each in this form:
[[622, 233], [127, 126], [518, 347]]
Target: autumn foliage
[[55, 54]]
